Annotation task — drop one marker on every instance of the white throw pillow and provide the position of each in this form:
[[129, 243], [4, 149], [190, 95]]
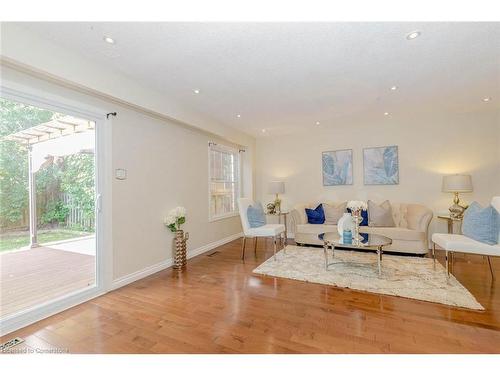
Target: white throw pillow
[[380, 215], [333, 213]]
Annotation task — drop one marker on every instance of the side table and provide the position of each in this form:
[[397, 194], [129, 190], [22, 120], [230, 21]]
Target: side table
[[451, 221]]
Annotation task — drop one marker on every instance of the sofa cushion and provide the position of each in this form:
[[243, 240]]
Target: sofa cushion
[[315, 216], [334, 213], [396, 233], [481, 224], [316, 228], [380, 215], [299, 209]]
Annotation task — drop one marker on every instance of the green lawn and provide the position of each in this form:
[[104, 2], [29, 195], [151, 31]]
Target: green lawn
[[16, 240]]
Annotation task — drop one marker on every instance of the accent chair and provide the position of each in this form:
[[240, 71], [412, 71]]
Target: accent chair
[[267, 230], [461, 244]]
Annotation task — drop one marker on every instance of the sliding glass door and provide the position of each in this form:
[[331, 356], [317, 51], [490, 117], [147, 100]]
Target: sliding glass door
[[48, 216]]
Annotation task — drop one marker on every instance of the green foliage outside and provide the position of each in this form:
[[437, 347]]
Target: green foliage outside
[[14, 159], [55, 212], [73, 174], [77, 180]]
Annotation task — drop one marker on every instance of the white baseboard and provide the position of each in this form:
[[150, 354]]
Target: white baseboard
[[130, 278]]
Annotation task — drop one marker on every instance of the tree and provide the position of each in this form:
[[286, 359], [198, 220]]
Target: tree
[[77, 179], [14, 117], [72, 174]]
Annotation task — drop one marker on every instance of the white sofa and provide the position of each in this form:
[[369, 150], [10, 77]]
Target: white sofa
[[410, 235]]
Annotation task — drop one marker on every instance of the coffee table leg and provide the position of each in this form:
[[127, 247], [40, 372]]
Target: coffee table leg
[[379, 260], [325, 250]]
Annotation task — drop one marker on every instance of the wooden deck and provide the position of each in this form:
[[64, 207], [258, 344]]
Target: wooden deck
[[31, 277]]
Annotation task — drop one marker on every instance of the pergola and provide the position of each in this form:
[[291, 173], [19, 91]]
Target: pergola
[[59, 137]]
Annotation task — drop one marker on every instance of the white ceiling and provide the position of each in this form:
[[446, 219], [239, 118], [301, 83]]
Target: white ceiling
[[286, 76]]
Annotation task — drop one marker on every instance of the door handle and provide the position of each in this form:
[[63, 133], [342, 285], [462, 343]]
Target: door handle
[[98, 202]]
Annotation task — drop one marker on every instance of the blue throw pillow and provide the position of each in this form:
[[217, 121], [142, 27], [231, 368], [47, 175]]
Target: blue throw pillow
[[255, 215], [481, 224], [364, 216], [316, 216]]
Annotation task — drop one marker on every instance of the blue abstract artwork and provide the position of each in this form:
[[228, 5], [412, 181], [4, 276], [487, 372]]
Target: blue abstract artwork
[[381, 165], [337, 167]]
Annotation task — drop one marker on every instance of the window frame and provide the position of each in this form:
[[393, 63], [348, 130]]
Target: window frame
[[235, 151]]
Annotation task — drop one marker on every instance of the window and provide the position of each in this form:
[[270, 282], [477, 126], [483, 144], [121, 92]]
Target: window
[[224, 181]]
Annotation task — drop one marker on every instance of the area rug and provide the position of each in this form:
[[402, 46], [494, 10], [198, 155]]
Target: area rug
[[403, 276]]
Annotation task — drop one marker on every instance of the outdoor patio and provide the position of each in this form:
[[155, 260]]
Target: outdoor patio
[[33, 276]]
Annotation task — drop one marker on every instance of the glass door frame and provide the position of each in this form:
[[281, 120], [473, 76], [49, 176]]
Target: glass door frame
[[31, 96]]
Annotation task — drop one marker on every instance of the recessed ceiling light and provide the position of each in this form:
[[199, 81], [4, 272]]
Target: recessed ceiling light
[[263, 130], [196, 91], [487, 99], [394, 88], [238, 116], [386, 113], [109, 40], [413, 35], [317, 122]]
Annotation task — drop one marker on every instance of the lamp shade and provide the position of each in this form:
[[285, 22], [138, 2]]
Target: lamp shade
[[276, 187], [457, 183]]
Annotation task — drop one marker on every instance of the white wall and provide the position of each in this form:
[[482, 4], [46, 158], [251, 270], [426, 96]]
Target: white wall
[[167, 166], [430, 146]]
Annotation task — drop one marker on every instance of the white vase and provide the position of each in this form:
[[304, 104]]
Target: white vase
[[345, 223]]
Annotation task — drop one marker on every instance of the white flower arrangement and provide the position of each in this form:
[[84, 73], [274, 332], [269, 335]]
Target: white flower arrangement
[[357, 205], [175, 218]]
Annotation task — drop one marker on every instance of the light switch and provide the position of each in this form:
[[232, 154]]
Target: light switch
[[120, 174]]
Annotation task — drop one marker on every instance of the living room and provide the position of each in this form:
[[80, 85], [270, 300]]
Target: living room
[[256, 187]]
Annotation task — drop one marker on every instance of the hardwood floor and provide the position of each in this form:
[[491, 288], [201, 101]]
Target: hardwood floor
[[219, 306]]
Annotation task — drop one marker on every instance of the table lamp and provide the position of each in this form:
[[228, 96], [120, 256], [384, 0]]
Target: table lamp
[[277, 187], [457, 183]]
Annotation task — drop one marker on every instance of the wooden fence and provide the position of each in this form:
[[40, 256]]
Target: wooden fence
[[75, 216]]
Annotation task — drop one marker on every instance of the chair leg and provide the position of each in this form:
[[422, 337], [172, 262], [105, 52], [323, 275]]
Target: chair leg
[[434, 254], [284, 242], [325, 251], [447, 264], [491, 268], [274, 242], [255, 246], [243, 247]]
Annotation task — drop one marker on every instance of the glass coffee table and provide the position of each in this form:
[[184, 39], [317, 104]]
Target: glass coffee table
[[367, 241]]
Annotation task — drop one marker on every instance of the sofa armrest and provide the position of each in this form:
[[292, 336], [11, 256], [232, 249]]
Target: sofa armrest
[[295, 219], [419, 217]]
